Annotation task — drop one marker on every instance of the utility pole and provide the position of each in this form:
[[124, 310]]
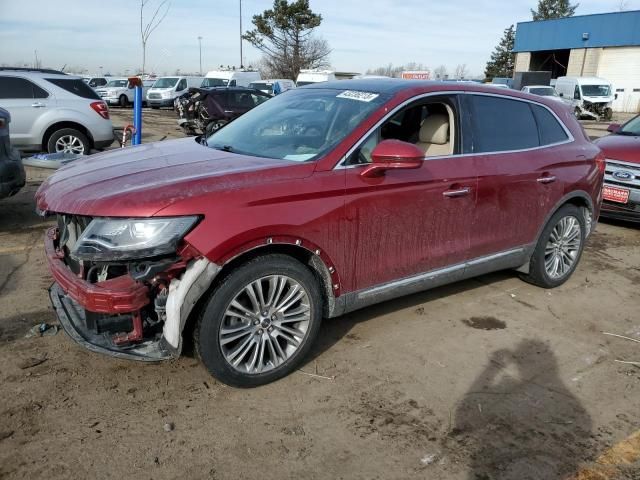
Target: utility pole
[[200, 46], [241, 66]]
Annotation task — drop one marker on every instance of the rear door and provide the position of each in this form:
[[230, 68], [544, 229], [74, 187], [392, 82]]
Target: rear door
[[519, 160], [408, 222], [26, 102]]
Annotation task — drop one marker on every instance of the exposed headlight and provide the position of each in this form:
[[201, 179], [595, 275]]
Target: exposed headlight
[[131, 238]]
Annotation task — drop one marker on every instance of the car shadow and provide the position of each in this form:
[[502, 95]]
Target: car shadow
[[519, 421], [619, 223], [334, 329]]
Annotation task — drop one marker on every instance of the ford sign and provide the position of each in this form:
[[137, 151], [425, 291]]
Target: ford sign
[[624, 175]]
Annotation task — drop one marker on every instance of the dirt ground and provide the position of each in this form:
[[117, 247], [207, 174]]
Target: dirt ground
[[490, 378]]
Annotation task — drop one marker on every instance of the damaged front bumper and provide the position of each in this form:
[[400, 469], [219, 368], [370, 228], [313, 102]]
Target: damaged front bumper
[[73, 318], [111, 316]]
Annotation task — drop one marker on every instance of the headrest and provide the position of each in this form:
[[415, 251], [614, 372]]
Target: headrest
[[435, 129]]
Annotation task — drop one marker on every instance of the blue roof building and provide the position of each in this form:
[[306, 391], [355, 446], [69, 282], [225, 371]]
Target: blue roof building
[[605, 45]]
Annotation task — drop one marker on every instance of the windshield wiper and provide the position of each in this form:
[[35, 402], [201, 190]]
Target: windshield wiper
[[224, 148]]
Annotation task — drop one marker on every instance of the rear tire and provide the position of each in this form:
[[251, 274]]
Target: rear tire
[[251, 331], [559, 248], [123, 101], [68, 140]]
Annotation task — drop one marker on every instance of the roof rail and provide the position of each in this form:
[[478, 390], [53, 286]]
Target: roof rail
[[25, 69]]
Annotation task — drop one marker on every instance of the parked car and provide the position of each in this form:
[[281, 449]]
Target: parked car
[[121, 91], [273, 86], [307, 77], [587, 96], [54, 112], [621, 191], [543, 91], [230, 78], [321, 201], [165, 90], [95, 82], [203, 111], [12, 176]]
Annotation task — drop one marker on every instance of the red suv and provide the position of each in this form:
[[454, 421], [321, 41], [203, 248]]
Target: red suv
[[321, 201]]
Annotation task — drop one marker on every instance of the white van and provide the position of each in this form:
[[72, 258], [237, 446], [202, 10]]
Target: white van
[[230, 78], [588, 96], [305, 77], [166, 89], [273, 86]]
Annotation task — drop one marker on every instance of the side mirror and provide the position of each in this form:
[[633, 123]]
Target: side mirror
[[613, 127], [393, 154], [561, 94], [615, 97]]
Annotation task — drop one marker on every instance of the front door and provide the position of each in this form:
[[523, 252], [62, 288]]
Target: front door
[[408, 222]]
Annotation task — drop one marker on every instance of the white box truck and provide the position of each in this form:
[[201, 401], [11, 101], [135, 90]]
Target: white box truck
[[305, 77], [230, 78]]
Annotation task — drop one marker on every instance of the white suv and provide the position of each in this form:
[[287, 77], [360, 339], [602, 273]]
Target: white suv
[[54, 112]]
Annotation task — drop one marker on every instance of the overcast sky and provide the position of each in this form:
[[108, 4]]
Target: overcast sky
[[362, 33]]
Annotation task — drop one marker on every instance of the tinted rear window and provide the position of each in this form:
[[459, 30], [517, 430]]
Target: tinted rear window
[[14, 87], [75, 86], [501, 124], [549, 128]]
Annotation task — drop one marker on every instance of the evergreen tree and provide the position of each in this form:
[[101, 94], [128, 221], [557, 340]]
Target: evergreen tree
[[284, 35], [502, 58], [548, 9]]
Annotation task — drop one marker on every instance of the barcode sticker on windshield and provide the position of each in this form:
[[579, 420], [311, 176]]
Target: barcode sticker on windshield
[[356, 95]]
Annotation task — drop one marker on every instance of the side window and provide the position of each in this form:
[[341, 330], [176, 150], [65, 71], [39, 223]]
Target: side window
[[14, 87], [549, 128], [431, 126], [501, 124], [182, 84], [101, 82], [258, 99], [576, 93], [232, 83]]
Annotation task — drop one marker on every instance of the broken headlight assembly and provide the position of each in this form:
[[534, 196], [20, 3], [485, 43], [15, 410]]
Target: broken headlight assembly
[[131, 238]]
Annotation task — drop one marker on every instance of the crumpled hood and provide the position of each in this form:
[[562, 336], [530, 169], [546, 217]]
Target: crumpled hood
[[140, 181], [620, 147]]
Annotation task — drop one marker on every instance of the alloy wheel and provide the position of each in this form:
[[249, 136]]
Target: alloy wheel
[[563, 247], [69, 144], [265, 324]]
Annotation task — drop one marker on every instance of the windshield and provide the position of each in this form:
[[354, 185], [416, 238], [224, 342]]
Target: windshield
[[595, 90], [263, 86], [299, 125], [215, 82], [544, 92], [166, 82], [632, 127], [117, 83]]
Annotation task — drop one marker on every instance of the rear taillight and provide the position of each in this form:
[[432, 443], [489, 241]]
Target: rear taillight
[[601, 162], [101, 109]]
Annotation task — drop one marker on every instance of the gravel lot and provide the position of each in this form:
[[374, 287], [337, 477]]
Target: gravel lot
[[490, 378]]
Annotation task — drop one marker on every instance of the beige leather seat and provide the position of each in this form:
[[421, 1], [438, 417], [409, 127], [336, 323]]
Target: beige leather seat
[[434, 135]]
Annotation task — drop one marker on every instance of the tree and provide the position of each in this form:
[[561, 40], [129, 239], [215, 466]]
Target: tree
[[284, 35], [548, 9], [502, 58], [147, 30], [440, 73], [461, 71]]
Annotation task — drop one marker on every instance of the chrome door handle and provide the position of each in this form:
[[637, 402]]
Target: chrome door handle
[[549, 179], [38, 105], [461, 192]]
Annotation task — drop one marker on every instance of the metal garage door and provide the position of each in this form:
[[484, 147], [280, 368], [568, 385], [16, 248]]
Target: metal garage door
[[621, 66]]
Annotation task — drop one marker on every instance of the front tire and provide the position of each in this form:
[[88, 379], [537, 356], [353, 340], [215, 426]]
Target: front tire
[[123, 101], [260, 322], [559, 249]]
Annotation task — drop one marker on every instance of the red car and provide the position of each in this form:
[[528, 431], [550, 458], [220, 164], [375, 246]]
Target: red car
[[321, 201], [621, 191]]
